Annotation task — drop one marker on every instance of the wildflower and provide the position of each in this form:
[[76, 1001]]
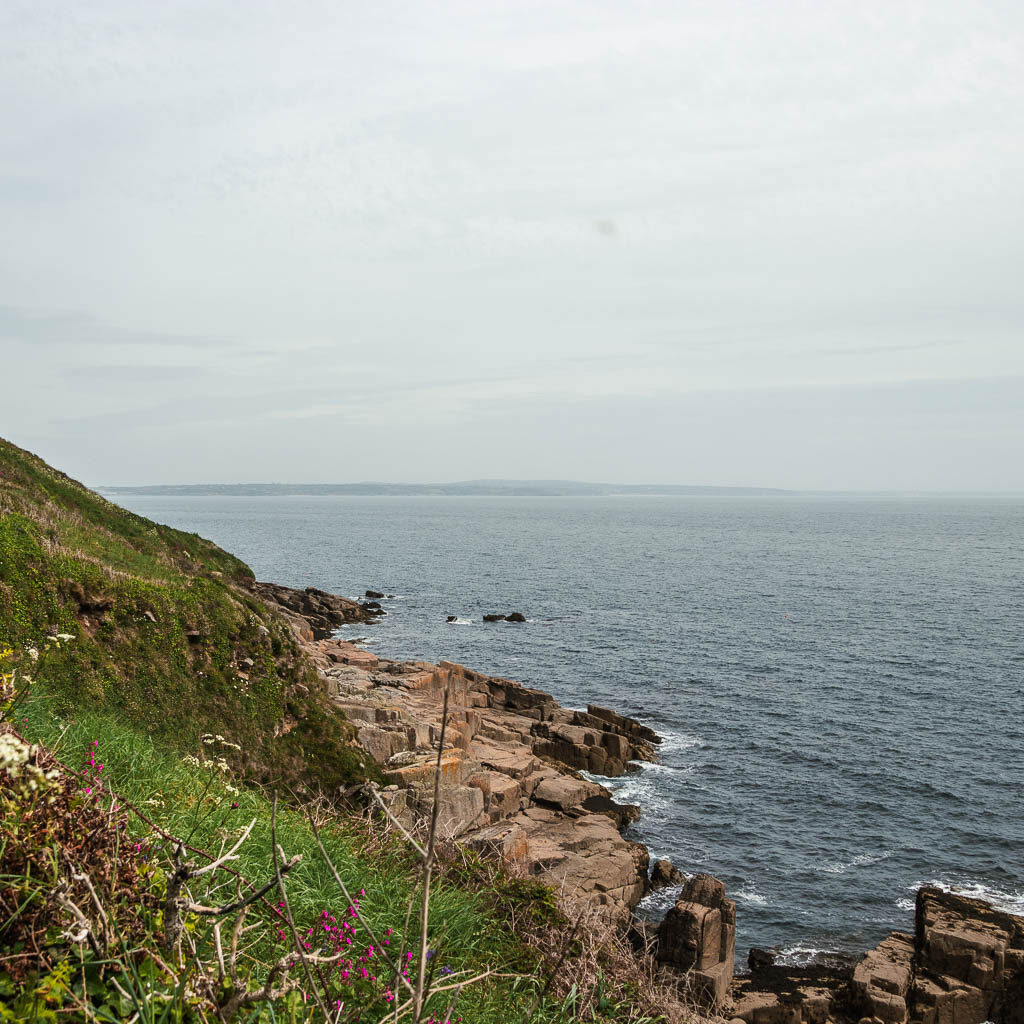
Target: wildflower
[[65, 637]]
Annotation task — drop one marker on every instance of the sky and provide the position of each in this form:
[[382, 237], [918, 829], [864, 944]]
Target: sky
[[731, 243]]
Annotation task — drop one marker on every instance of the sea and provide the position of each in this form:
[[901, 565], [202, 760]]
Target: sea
[[838, 681]]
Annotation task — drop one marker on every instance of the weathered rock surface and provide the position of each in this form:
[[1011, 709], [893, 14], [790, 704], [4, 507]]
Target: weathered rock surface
[[509, 787], [698, 936], [313, 614], [964, 965], [665, 873], [777, 994]]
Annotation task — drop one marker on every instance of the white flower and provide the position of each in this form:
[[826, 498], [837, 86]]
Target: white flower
[[65, 636], [14, 753], [32, 653]]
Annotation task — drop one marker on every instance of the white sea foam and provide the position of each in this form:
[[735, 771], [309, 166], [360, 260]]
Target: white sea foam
[[673, 742], [1008, 902], [658, 903], [841, 867], [800, 955], [461, 622], [748, 894]]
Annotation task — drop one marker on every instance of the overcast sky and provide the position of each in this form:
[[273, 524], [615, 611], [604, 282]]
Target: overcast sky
[[761, 243]]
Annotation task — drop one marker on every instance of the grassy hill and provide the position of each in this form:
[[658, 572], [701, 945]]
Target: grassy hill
[[117, 806], [167, 635]]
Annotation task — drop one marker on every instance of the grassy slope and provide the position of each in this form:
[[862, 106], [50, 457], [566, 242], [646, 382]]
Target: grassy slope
[[132, 592], [71, 562], [469, 922]]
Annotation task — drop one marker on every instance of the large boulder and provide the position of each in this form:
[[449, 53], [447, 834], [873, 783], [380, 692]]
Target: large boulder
[[970, 961], [665, 873], [964, 965], [698, 937], [882, 979]]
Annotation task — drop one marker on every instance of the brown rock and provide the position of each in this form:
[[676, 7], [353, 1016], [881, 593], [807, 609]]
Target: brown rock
[[459, 807], [622, 814], [502, 793], [565, 792], [665, 873], [882, 979], [516, 763], [969, 961], [698, 935], [506, 841]]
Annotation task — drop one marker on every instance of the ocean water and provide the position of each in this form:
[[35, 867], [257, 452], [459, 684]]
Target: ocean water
[[839, 681]]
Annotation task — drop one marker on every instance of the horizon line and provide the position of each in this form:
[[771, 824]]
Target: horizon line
[[533, 487]]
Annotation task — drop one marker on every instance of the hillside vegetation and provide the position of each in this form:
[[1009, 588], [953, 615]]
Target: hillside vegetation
[[168, 635], [170, 850]]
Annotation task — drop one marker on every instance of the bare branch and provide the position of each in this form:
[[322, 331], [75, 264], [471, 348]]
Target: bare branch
[[428, 865], [230, 908], [224, 858], [372, 790]]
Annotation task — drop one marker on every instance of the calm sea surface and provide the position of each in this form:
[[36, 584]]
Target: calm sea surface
[[839, 681]]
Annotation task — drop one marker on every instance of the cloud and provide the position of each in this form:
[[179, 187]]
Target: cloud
[[366, 225], [41, 328]]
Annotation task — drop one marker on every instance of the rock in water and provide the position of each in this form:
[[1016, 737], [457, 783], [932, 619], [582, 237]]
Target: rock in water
[[665, 873], [515, 617], [758, 959], [374, 594]]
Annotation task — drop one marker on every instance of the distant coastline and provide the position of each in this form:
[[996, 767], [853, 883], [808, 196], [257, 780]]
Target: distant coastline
[[516, 489], [500, 488]]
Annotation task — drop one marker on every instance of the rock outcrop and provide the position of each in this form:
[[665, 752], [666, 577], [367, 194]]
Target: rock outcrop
[[509, 780], [665, 873], [698, 937], [313, 614], [963, 965], [775, 994]]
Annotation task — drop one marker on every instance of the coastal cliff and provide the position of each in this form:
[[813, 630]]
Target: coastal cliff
[[512, 788], [511, 766], [161, 635]]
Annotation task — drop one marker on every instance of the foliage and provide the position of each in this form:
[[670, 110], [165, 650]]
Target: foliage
[[148, 700], [167, 634]]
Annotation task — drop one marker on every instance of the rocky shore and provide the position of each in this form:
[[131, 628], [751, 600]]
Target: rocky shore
[[512, 788]]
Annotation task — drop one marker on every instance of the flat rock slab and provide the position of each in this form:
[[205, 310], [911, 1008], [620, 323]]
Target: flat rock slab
[[515, 763]]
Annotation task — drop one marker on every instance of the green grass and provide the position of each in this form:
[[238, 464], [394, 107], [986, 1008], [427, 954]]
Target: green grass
[[469, 918], [165, 630], [169, 644]]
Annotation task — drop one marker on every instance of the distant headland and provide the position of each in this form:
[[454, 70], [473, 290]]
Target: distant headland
[[507, 488]]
